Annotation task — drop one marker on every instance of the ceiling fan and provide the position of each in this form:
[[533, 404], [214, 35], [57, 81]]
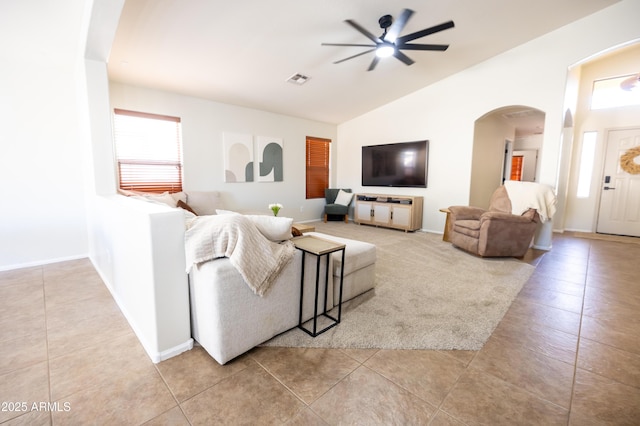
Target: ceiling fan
[[389, 43], [631, 83]]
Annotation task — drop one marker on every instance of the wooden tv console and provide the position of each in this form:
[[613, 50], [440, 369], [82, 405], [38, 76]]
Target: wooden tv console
[[391, 211]]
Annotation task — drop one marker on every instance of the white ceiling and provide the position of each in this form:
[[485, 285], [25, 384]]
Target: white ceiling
[[242, 52]]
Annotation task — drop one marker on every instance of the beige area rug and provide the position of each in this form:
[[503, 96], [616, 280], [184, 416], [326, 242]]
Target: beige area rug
[[428, 295]]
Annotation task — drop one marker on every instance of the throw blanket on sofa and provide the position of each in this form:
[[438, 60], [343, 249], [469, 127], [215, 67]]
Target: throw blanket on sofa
[[531, 195], [257, 259]]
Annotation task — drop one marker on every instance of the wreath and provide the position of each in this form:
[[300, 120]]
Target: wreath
[[627, 163]]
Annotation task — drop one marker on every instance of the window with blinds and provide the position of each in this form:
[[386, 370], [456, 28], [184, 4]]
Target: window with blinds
[[148, 151], [317, 166]]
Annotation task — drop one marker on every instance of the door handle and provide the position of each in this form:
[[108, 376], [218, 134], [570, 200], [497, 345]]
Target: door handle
[[607, 188]]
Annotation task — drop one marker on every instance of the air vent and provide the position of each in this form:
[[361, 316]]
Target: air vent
[[298, 79], [520, 114]]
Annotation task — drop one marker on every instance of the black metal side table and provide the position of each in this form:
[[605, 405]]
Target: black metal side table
[[319, 247]]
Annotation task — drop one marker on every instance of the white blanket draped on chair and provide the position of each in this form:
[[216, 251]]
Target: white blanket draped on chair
[[531, 195]]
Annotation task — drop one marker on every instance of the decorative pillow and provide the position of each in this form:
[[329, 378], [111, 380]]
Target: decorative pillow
[[185, 206], [343, 198], [220, 211], [179, 196], [130, 193], [164, 198], [204, 202], [274, 228]]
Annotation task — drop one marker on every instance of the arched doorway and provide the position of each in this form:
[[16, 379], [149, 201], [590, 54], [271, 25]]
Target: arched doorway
[[499, 135]]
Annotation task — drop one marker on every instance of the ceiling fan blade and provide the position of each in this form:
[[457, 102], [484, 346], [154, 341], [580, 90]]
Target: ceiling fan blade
[[425, 32], [363, 31], [355, 56], [373, 63], [404, 58], [398, 25], [439, 47], [348, 44]]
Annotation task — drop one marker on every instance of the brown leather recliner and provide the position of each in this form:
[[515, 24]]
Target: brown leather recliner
[[494, 232]]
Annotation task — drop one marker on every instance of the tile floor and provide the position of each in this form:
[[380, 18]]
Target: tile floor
[[566, 352]]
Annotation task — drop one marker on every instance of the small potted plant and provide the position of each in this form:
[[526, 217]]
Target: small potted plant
[[275, 208]]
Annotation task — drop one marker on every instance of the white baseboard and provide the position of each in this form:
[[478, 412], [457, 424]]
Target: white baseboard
[[431, 231], [42, 262], [170, 353], [539, 247], [589, 231]]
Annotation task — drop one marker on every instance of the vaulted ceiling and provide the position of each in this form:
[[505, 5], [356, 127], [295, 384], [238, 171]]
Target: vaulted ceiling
[[243, 52]]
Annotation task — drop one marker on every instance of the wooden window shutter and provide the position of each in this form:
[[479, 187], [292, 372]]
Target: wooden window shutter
[[148, 151], [317, 166]]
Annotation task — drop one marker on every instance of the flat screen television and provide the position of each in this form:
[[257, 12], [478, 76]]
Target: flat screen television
[[401, 164]]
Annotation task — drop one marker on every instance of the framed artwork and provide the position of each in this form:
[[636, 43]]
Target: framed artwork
[[238, 157], [270, 159]]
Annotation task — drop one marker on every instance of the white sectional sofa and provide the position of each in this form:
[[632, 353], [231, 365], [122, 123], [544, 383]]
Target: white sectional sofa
[[228, 318]]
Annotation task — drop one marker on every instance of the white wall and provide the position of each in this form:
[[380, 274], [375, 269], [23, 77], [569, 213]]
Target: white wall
[[530, 142], [533, 74], [42, 214], [203, 124], [490, 134]]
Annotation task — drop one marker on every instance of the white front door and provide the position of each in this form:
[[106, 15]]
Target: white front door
[[620, 197]]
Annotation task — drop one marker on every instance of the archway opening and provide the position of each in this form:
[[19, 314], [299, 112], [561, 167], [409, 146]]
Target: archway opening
[[506, 146]]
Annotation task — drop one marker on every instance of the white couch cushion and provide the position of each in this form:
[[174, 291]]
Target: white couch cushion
[[274, 228], [358, 254], [359, 267]]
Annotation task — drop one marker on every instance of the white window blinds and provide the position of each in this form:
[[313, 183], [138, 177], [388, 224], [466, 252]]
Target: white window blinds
[[148, 151]]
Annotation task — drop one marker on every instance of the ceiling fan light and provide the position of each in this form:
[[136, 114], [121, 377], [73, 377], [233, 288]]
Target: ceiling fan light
[[385, 50]]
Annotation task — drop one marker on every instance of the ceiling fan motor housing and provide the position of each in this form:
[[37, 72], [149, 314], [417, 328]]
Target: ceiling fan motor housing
[[385, 22]]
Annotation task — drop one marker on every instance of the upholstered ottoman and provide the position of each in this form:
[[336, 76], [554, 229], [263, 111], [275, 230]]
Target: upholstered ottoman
[[359, 267]]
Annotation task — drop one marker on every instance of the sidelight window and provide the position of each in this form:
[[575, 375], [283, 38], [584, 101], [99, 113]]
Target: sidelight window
[[587, 156]]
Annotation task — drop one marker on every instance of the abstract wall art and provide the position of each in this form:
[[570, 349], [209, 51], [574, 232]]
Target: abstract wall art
[[270, 159], [238, 157]]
